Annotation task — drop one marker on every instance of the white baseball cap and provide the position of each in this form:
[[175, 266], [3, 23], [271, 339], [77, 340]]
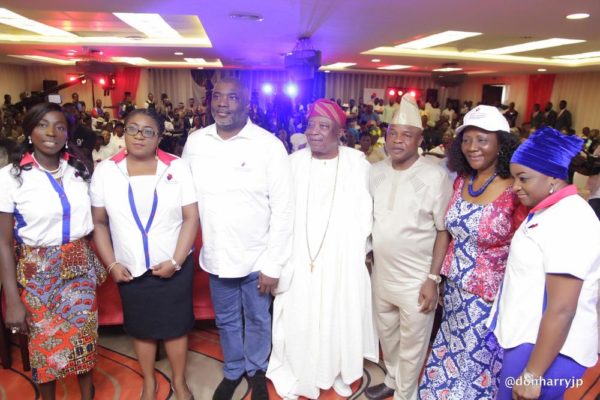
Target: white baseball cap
[[485, 117]]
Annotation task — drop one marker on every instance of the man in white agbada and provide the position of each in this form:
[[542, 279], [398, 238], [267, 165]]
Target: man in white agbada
[[322, 317], [410, 196]]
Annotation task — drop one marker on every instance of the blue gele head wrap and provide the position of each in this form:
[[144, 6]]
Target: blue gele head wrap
[[549, 152]]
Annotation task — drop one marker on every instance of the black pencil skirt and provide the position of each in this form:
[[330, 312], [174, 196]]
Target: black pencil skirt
[[156, 308]]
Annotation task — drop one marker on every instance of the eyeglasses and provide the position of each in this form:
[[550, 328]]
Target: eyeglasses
[[134, 129]]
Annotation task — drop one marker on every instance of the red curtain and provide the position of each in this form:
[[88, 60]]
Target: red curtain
[[127, 80], [539, 91]]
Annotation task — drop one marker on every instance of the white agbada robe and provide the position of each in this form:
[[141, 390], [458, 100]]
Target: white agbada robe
[[322, 321]]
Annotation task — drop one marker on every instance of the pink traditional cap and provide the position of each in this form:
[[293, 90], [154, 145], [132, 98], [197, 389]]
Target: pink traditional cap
[[328, 109]]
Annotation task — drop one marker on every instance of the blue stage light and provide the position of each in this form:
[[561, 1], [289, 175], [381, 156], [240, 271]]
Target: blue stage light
[[291, 89], [267, 88]]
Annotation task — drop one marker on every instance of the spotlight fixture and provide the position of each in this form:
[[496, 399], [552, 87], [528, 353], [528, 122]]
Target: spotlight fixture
[[542, 70], [178, 53], [267, 88], [291, 89]]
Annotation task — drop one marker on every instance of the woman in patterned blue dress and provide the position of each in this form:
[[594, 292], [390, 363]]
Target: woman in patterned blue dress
[[481, 218]]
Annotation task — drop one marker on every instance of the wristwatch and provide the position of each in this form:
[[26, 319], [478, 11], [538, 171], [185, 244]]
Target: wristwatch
[[529, 379], [436, 278], [175, 265]]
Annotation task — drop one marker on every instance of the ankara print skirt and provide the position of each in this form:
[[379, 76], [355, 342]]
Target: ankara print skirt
[[465, 359], [62, 318]]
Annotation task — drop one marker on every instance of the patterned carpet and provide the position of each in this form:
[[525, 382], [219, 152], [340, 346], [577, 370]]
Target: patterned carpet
[[117, 376]]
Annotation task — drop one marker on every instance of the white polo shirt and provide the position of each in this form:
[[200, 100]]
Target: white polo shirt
[[174, 189], [561, 239], [42, 217], [244, 189]]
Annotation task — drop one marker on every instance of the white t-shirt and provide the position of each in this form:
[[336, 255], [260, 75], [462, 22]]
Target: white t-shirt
[[41, 215], [117, 143], [174, 189], [562, 239], [104, 153]]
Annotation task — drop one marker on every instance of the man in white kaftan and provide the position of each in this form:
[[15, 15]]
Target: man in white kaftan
[[322, 317], [410, 196]]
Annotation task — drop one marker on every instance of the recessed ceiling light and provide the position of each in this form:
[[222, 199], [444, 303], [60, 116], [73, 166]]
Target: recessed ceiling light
[[394, 67], [447, 69], [199, 67], [542, 70], [437, 39], [187, 64], [538, 44], [376, 60], [10, 18], [178, 53], [578, 16], [338, 65], [580, 56], [131, 60], [51, 60], [327, 71], [246, 17], [152, 25], [195, 60]]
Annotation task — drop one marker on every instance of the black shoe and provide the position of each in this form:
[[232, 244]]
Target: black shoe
[[259, 386], [226, 388], [379, 392]]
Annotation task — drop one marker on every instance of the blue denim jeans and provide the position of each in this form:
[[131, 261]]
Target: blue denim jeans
[[244, 322]]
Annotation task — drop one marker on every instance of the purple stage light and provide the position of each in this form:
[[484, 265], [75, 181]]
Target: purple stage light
[[291, 89]]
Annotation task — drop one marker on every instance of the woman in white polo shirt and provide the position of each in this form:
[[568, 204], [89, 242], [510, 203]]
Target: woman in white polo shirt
[[146, 220], [51, 291], [545, 315]]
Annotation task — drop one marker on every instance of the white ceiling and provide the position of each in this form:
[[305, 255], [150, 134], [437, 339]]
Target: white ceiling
[[342, 30]]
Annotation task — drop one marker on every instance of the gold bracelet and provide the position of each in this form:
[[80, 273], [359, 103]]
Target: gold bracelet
[[110, 266]]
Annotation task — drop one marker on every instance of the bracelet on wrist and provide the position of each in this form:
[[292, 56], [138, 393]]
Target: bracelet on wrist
[[111, 266]]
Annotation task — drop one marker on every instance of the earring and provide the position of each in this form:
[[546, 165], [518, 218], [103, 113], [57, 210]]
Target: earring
[[66, 145], [551, 188], [156, 155], [125, 151], [30, 142]]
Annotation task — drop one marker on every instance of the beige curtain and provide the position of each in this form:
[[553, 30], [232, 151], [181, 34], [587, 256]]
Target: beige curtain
[[350, 85], [582, 93], [253, 79], [516, 90], [176, 83], [13, 81]]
